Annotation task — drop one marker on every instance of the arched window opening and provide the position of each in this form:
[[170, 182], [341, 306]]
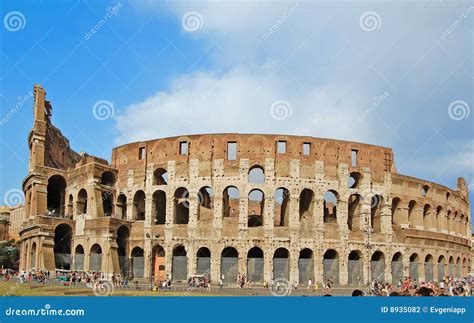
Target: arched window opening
[[78, 263], [414, 267], [159, 207], [377, 266], [397, 268], [181, 206], [81, 203], [354, 179], [424, 191], [255, 264], [330, 207], [282, 210], [355, 269], [231, 202], [411, 210], [281, 263], [427, 216], [206, 204], [376, 206], [331, 266], [62, 247], [95, 258], [203, 262], [107, 204], [229, 265], [70, 205], [354, 212], [139, 206], [180, 264], [429, 268], [305, 266], [256, 175], [396, 212], [123, 237], [255, 208], [108, 178], [56, 195], [122, 207], [137, 262], [306, 204], [160, 177]]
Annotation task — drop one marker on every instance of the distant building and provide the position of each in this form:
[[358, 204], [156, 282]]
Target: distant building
[[4, 222], [16, 220]]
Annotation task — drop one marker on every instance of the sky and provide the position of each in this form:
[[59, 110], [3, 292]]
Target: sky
[[396, 74]]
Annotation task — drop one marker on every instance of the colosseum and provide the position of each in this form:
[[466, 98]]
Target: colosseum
[[265, 206]]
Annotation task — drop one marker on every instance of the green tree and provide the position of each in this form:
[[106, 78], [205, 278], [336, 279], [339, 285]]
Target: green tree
[[9, 255]]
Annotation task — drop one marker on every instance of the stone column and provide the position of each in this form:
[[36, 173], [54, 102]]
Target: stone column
[[269, 215], [215, 265], [294, 273], [243, 215], [343, 267], [192, 259]]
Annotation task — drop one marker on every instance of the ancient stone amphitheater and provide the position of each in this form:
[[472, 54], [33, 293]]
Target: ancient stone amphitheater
[[266, 206]]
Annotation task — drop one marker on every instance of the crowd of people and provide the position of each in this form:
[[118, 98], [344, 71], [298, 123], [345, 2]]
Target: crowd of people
[[448, 286]]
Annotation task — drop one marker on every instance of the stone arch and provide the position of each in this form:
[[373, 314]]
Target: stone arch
[[179, 264], [427, 217], [376, 206], [355, 268], [281, 263], [121, 206], [123, 239], [229, 264], [354, 179], [441, 268], [139, 205], [411, 214], [107, 204], [108, 178], [465, 268], [70, 206], [255, 264], [440, 219], [282, 207], [256, 205], [429, 268], [95, 257], [397, 214], [458, 268], [354, 212], [158, 264], [377, 266], [397, 268], [33, 260], [62, 246], [160, 176], [231, 202], [159, 207], [306, 204], [203, 261], [331, 199], [414, 267], [331, 266], [449, 217], [451, 267], [78, 263], [305, 265], [181, 206], [56, 194], [81, 202], [256, 175], [137, 262], [205, 210]]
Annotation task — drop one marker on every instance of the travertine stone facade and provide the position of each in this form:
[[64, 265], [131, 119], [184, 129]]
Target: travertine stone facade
[[266, 206]]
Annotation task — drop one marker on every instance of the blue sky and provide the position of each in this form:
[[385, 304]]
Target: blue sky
[[397, 74]]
